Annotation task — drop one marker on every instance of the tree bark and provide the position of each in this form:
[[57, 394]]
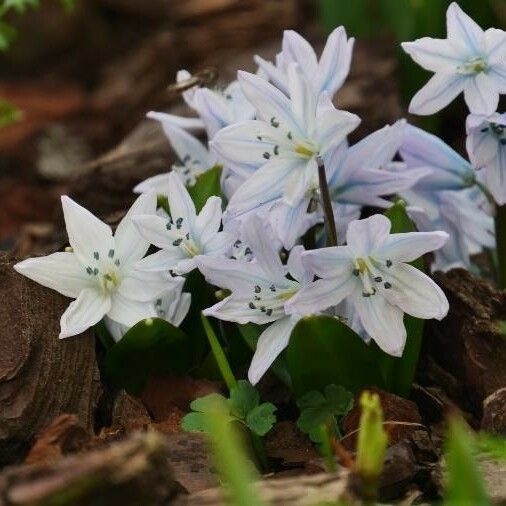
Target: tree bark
[[41, 376]]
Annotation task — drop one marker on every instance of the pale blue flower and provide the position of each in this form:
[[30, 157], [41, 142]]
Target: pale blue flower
[[486, 146], [99, 272], [444, 198], [469, 59], [464, 214], [277, 152], [324, 75], [259, 290], [194, 158], [372, 270], [184, 235]]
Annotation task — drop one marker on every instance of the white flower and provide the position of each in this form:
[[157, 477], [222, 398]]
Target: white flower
[[327, 74], [99, 272], [469, 60], [277, 152], [184, 236], [486, 146], [217, 108], [172, 305], [372, 270], [444, 198], [463, 214], [260, 289], [195, 158]]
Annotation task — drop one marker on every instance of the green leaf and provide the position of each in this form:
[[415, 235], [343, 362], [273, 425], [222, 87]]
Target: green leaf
[[493, 445], [465, 484], [339, 399], [398, 373], [202, 407], [207, 185], [151, 347], [261, 418], [318, 409], [243, 399], [20, 6], [324, 351]]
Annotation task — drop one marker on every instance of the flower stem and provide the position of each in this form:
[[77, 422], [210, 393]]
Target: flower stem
[[219, 355], [330, 224], [500, 237]]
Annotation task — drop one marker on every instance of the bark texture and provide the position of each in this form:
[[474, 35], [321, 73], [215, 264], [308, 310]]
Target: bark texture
[[41, 376]]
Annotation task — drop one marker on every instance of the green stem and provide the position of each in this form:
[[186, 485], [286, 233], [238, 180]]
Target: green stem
[[219, 355], [330, 223], [326, 448], [500, 237], [258, 448]]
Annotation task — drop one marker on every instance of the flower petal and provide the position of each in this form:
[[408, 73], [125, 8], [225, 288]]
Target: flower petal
[[437, 93], [163, 260], [213, 109], [264, 248], [481, 95], [296, 48], [406, 247], [130, 245], [270, 103], [248, 145], [158, 184], [87, 234], [382, 321], [84, 312], [328, 262], [154, 229], [208, 221], [368, 235], [236, 309], [302, 97], [129, 312], [462, 29], [272, 341], [415, 293], [169, 120], [265, 186], [180, 203], [274, 74], [436, 55], [59, 271], [321, 294], [145, 286], [335, 61]]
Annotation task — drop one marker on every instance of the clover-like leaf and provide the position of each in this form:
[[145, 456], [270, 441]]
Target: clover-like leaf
[[196, 421], [319, 409], [243, 399], [261, 418]]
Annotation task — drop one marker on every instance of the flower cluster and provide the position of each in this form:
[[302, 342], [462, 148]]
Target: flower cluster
[[282, 148]]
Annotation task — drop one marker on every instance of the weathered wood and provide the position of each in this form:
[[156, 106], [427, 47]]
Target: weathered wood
[[131, 473], [294, 491], [469, 344], [41, 376]]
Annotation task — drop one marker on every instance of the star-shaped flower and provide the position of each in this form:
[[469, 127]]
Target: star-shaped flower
[[372, 270], [185, 234], [326, 74], [277, 152], [486, 146], [100, 270], [260, 288], [469, 59]]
